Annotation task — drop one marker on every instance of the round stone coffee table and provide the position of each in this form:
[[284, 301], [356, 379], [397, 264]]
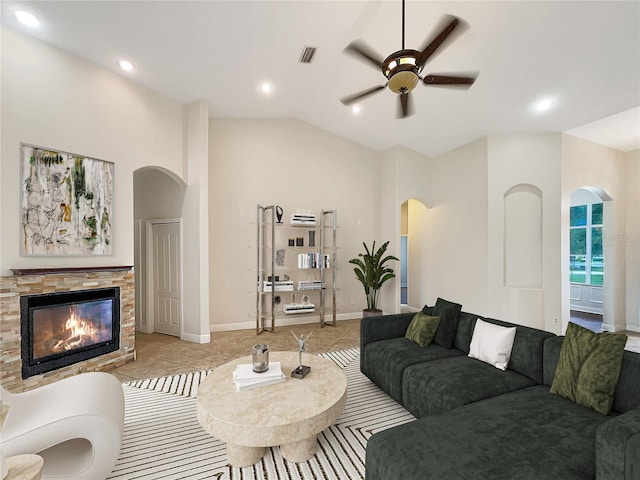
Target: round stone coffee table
[[289, 414]]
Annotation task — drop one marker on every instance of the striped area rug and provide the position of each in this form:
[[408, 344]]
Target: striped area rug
[[163, 439]]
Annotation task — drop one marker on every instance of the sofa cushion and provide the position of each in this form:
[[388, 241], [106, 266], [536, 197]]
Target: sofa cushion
[[464, 332], [526, 435], [492, 344], [441, 385], [627, 394], [422, 329], [449, 314], [589, 367], [384, 361]]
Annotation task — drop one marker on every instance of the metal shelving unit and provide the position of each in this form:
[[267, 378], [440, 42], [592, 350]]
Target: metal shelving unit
[[266, 267]]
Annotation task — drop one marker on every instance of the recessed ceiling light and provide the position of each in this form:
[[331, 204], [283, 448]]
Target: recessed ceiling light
[[266, 88], [125, 65], [27, 18], [355, 109], [543, 104]]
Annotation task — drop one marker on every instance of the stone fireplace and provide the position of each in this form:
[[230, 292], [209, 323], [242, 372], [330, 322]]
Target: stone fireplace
[[60, 322], [60, 329]]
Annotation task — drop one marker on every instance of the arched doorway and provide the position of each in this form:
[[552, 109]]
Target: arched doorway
[[413, 254], [587, 258], [158, 196]]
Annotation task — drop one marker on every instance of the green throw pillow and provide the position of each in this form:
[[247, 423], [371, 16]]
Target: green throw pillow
[[422, 329], [589, 367]]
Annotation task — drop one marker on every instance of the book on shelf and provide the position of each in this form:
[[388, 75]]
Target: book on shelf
[[313, 260], [246, 379]]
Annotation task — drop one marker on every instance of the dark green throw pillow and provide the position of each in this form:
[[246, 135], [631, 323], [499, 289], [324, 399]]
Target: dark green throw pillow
[[422, 329], [589, 367], [449, 314]]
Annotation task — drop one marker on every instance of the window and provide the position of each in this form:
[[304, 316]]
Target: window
[[585, 254]]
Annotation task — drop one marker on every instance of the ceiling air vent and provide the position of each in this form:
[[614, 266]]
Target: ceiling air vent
[[307, 54]]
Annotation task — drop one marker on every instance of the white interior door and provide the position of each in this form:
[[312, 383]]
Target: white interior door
[[165, 301]]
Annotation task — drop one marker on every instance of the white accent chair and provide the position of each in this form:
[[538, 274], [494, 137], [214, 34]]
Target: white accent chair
[[74, 424]]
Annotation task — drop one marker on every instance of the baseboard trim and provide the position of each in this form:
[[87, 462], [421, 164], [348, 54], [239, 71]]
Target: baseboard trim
[[633, 328], [282, 322], [191, 337], [606, 327]]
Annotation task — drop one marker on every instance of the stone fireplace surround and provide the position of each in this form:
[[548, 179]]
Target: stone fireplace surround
[[38, 281]]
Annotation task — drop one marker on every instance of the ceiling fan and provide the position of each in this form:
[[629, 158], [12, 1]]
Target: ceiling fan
[[402, 69]]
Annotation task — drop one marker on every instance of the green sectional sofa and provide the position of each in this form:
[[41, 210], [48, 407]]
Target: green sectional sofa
[[477, 422]]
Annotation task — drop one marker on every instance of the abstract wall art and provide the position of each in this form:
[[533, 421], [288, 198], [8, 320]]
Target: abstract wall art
[[67, 203]]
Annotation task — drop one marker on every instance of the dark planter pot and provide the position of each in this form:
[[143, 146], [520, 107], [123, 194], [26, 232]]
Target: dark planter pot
[[371, 312]]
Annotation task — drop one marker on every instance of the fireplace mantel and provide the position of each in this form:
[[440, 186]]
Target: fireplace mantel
[[62, 270]]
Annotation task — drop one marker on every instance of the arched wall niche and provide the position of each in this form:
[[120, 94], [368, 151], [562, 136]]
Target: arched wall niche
[[522, 207]]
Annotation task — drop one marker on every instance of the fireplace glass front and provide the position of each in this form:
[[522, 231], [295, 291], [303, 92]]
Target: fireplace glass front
[[61, 329]]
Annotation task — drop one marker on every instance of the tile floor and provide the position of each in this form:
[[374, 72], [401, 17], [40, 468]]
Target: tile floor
[[159, 355]]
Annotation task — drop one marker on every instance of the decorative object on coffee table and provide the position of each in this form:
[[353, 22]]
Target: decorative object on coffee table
[[260, 357], [301, 371], [371, 271]]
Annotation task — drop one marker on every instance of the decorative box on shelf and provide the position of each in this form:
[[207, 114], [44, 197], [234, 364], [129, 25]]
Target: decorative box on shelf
[[293, 308]]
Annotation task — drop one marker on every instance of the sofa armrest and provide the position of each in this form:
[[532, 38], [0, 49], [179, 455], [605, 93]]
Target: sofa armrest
[[617, 447], [383, 327]]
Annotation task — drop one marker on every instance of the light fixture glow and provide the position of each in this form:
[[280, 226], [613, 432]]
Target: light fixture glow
[[266, 88], [27, 18], [355, 109], [125, 65], [543, 105]]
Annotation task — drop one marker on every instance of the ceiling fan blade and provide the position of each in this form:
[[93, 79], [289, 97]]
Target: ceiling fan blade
[[455, 81], [449, 28], [364, 52], [405, 105], [363, 94]]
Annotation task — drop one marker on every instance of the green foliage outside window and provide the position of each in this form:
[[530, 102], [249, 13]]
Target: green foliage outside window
[[585, 250]]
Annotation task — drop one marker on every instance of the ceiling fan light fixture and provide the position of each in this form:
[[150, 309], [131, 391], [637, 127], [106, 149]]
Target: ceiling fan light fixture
[[403, 81]]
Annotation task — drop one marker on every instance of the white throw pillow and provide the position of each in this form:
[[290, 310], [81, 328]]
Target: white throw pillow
[[492, 344]]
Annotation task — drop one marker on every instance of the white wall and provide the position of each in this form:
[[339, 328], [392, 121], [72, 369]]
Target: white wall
[[294, 165], [404, 175], [195, 212], [586, 164], [530, 162], [55, 100], [632, 239], [457, 220]]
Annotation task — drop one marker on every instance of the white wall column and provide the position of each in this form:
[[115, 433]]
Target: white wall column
[[196, 227]]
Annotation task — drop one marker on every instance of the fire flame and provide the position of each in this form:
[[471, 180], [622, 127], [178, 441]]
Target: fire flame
[[79, 330]]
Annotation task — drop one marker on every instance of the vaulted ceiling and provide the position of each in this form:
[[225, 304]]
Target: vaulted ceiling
[[582, 56]]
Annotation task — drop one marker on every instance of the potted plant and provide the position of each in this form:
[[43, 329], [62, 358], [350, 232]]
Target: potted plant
[[371, 271]]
